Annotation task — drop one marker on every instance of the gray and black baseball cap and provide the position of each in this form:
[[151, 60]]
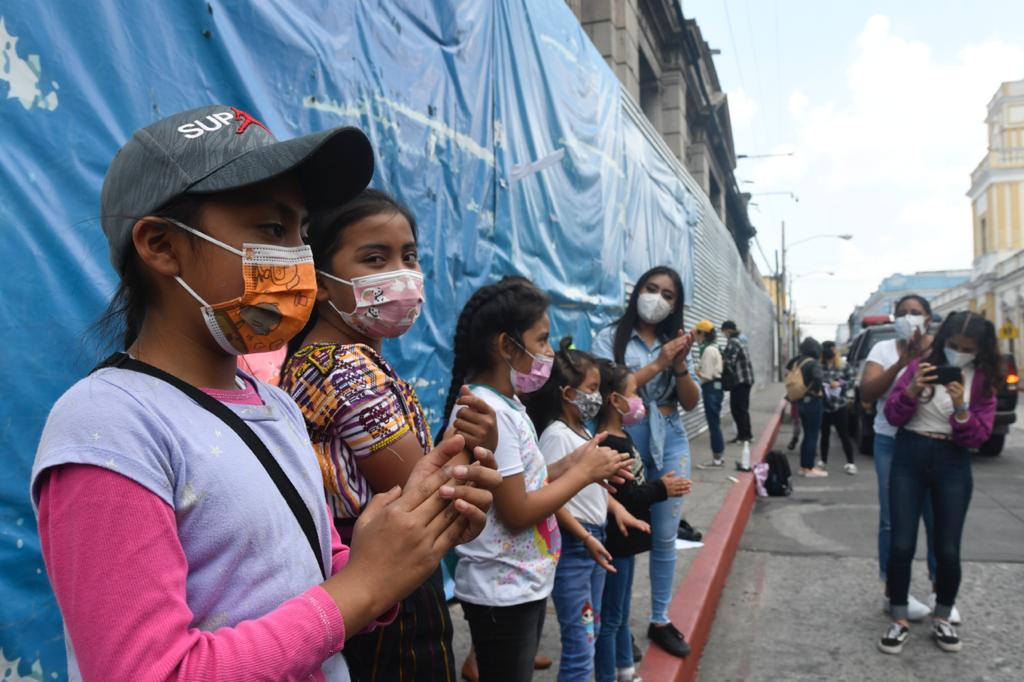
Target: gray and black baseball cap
[[218, 148]]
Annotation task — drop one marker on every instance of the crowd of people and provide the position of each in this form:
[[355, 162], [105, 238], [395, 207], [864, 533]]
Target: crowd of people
[[197, 522], [934, 399]]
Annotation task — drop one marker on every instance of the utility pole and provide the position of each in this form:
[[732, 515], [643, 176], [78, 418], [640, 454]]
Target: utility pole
[[786, 303], [778, 317]]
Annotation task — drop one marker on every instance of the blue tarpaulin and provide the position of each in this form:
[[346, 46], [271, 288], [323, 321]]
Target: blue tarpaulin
[[498, 123]]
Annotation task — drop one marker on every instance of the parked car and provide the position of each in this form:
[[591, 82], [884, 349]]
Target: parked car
[[862, 416]]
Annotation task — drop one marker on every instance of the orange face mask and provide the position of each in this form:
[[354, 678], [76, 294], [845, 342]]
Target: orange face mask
[[280, 291]]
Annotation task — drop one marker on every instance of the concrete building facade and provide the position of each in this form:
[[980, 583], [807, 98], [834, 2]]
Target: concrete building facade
[[664, 63]]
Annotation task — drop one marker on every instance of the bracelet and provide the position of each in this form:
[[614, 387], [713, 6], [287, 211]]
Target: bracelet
[[684, 373]]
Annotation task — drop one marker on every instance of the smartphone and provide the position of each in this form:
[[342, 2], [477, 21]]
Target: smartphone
[[946, 375]]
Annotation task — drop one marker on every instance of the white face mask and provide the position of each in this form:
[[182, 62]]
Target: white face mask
[[908, 324], [957, 358], [652, 308]]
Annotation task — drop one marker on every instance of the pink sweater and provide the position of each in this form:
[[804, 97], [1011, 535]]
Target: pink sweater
[[118, 570], [900, 408]]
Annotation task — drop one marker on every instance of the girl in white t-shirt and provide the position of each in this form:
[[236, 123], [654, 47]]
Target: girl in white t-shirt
[[504, 577], [560, 412]]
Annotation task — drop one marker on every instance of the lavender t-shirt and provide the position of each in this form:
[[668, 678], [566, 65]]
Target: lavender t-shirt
[[246, 552]]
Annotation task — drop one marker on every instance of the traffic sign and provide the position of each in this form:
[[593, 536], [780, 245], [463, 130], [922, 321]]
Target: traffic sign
[[1008, 331]]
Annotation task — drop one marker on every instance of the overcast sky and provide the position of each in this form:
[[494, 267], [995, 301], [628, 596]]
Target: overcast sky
[[883, 104]]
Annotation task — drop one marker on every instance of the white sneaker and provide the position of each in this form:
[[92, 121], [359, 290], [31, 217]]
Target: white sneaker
[[819, 464], [916, 611], [850, 469], [954, 615]]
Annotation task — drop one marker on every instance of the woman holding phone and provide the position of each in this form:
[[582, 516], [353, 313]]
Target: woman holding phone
[[943, 405]]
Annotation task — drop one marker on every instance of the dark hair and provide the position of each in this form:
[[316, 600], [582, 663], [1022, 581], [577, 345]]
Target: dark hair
[[127, 308], [613, 380], [826, 347], [810, 348], [710, 335], [511, 305], [974, 326], [325, 235], [914, 297], [666, 329], [569, 369]]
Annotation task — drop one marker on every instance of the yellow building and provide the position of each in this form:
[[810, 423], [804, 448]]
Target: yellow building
[[997, 184]]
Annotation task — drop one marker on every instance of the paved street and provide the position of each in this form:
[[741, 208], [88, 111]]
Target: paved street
[[710, 488], [803, 601]]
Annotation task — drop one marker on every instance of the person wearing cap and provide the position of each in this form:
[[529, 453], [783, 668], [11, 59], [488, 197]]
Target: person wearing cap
[[709, 371], [737, 378], [180, 508]]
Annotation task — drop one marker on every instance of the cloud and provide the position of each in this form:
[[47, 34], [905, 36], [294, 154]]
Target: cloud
[[742, 108], [888, 159]]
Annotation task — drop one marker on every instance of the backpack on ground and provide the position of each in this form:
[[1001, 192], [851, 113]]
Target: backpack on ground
[[796, 389], [780, 479]]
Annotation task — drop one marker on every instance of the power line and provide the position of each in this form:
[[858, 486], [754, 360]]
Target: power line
[[758, 85], [739, 69]]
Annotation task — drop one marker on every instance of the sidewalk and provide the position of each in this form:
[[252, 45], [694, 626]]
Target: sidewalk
[[702, 504], [804, 601]]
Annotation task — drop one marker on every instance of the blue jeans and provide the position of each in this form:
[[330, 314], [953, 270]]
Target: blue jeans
[[924, 468], [885, 446], [664, 515], [614, 647], [713, 413], [579, 586], [811, 410]]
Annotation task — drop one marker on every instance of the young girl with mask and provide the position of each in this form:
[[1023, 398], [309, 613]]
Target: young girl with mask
[[184, 529], [503, 579], [366, 423], [649, 339], [938, 423], [623, 407], [884, 363], [560, 411]]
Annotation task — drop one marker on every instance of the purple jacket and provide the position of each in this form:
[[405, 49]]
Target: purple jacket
[[900, 408]]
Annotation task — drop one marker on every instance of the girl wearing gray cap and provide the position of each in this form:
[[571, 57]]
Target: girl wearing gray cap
[[181, 512]]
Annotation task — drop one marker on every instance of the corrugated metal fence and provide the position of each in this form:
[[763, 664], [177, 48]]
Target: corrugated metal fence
[[723, 289]]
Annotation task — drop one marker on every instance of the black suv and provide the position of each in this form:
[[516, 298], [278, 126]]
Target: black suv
[[861, 418]]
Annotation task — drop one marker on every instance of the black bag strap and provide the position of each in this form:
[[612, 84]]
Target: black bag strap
[[248, 436]]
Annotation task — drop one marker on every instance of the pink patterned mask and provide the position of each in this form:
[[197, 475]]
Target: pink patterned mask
[[532, 381], [636, 413], [387, 304]]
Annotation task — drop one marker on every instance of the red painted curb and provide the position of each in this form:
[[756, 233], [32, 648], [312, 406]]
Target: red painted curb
[[696, 599]]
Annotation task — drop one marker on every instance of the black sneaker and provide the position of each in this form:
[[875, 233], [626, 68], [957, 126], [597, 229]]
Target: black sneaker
[[669, 639], [638, 653], [896, 635], [945, 636]]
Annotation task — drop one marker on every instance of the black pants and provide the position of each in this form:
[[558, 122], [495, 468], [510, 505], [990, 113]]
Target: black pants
[[739, 405], [840, 420], [505, 639]]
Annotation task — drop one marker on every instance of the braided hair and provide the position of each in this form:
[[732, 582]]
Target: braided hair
[[511, 305], [569, 369]]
